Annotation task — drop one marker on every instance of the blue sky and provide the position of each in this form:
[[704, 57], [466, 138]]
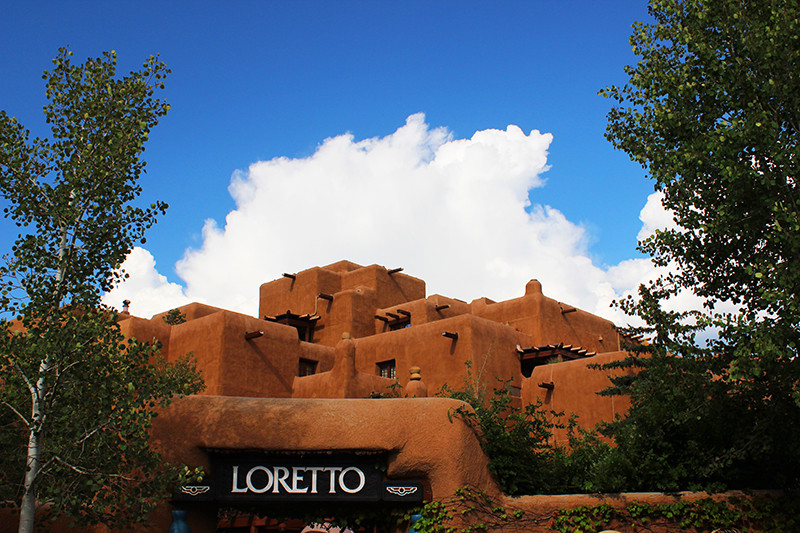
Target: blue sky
[[254, 81]]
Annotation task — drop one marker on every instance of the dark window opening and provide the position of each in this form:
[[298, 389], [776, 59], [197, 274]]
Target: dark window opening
[[535, 356], [394, 321], [527, 365], [402, 323], [308, 367], [304, 333], [304, 324], [386, 369]]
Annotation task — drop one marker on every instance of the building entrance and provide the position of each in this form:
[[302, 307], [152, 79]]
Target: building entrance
[[256, 524], [258, 490], [281, 457]]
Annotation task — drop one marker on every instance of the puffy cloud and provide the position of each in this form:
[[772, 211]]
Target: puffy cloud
[[454, 212], [149, 291], [655, 216]]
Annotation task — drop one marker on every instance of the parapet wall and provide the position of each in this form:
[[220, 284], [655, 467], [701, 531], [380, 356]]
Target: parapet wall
[[395, 328], [352, 294]]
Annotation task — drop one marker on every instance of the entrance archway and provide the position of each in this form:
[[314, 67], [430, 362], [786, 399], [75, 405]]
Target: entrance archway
[[418, 439], [255, 524]]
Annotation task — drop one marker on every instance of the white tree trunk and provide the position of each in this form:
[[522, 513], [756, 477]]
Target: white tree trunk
[[27, 510], [33, 462]]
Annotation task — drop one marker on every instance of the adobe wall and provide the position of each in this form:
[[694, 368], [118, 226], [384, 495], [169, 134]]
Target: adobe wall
[[491, 348], [351, 311], [366, 302], [145, 330], [548, 321], [343, 380], [422, 311], [232, 365], [191, 311], [390, 289], [422, 442], [575, 388], [544, 507], [357, 292]]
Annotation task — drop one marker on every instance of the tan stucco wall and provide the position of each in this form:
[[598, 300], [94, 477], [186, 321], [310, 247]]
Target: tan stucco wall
[[421, 439], [575, 388]]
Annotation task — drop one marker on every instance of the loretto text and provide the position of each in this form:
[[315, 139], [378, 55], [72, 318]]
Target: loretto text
[[298, 480]]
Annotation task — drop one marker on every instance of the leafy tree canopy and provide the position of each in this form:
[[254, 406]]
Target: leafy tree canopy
[[712, 111], [76, 399]]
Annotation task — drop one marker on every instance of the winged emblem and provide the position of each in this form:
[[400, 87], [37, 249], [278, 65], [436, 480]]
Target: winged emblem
[[402, 491], [194, 490]]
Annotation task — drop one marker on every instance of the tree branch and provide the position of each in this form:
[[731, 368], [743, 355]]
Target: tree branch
[[21, 417], [86, 472], [31, 386]]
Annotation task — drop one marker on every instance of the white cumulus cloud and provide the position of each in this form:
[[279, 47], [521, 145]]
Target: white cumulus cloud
[[149, 291], [454, 212], [655, 216]]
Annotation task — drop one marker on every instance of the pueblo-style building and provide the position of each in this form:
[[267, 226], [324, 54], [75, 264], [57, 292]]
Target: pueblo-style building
[[340, 371], [401, 342], [329, 395]]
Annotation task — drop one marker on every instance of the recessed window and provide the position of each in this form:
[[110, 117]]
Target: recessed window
[[394, 321], [535, 356], [304, 324], [386, 369], [402, 323], [308, 367]]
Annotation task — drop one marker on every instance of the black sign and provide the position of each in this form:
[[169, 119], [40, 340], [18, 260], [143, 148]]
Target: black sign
[[309, 477], [264, 479]]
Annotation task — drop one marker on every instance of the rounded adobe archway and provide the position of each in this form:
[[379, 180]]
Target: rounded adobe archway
[[420, 438]]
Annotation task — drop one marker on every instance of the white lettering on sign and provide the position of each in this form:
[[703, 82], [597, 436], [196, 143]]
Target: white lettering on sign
[[314, 470], [296, 478], [261, 479], [249, 480], [333, 471], [361, 477], [235, 487], [281, 473]]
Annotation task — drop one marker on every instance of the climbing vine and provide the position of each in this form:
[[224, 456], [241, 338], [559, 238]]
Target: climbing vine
[[474, 511], [471, 510]]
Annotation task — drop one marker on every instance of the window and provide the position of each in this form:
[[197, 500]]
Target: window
[[535, 356], [386, 369], [527, 366], [308, 367], [304, 324], [401, 323], [394, 321]]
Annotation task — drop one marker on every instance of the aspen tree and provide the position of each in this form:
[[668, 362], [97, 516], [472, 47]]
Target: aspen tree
[[76, 399]]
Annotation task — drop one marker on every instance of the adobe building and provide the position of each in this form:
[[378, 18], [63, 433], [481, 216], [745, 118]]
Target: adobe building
[[329, 395], [290, 350]]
